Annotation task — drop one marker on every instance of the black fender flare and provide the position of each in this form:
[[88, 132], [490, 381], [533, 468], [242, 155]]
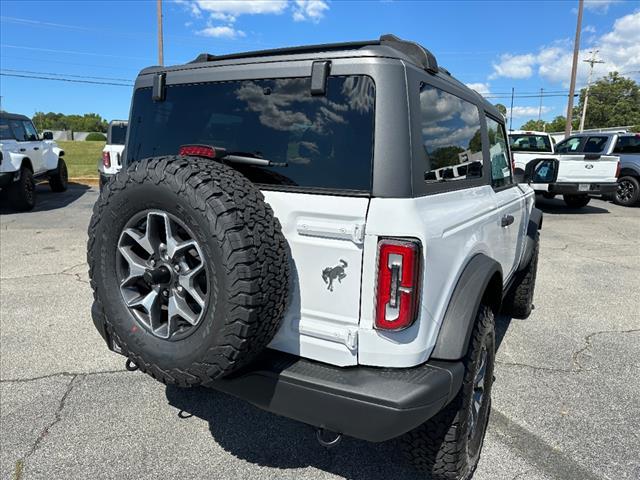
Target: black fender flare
[[535, 224], [480, 278]]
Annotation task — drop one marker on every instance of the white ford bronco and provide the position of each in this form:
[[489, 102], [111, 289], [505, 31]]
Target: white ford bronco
[[25, 158], [327, 232], [111, 161]]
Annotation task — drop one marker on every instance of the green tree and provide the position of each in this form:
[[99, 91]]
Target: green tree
[[501, 108], [89, 122], [538, 125], [614, 101]]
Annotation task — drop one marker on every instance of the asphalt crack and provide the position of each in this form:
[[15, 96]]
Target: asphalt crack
[[57, 417], [577, 366], [61, 374], [65, 271]]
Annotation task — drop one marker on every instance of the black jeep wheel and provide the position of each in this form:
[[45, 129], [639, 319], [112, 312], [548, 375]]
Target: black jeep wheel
[[22, 194], [447, 447], [59, 178], [628, 192], [518, 302], [576, 201], [189, 268]]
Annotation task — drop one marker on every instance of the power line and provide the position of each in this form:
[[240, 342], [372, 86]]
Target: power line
[[67, 75], [66, 80]]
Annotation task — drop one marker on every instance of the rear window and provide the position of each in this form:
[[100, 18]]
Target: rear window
[[326, 141], [117, 134], [5, 131], [529, 143]]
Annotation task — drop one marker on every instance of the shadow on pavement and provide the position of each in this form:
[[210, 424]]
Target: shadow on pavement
[[502, 325], [46, 199], [265, 439], [557, 206]]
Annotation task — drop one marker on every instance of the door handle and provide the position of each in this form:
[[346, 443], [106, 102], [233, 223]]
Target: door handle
[[507, 220], [36, 148], [23, 149]]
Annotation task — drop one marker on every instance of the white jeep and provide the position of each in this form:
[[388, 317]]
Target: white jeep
[[25, 158], [111, 161], [327, 232]]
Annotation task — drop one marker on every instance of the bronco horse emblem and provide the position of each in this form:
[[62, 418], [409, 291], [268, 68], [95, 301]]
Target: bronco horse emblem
[[330, 274]]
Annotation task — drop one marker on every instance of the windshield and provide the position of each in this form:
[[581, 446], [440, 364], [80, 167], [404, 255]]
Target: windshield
[[529, 143], [326, 141]]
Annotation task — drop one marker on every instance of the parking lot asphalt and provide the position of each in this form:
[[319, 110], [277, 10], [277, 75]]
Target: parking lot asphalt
[[566, 401]]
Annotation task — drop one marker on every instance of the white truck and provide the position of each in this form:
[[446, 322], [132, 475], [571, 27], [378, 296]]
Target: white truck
[[111, 161], [26, 158], [579, 175]]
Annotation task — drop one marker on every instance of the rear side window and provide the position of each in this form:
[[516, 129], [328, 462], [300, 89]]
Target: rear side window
[[451, 139], [529, 143], [628, 144], [326, 141], [117, 134], [500, 164], [595, 144], [5, 131]]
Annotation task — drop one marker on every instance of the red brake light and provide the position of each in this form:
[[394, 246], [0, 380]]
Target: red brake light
[[198, 151], [106, 159], [398, 284], [618, 170]]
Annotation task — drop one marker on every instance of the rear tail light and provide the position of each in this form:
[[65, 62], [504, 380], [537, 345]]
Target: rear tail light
[[618, 169], [397, 292], [106, 159], [201, 151]]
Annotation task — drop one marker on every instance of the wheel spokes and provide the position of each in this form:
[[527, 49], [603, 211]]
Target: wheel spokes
[[137, 266], [178, 307]]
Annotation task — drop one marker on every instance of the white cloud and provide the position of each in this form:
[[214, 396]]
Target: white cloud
[[236, 8], [619, 49], [514, 66], [598, 6], [312, 10], [224, 31], [589, 29], [481, 88], [529, 112]]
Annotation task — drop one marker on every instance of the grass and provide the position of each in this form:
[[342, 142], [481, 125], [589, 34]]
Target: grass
[[82, 158]]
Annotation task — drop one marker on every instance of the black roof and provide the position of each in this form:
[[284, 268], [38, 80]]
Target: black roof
[[387, 45], [13, 116]]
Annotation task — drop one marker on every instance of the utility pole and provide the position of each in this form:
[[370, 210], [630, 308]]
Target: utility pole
[[160, 42], [540, 107], [591, 61], [513, 90], [574, 69]]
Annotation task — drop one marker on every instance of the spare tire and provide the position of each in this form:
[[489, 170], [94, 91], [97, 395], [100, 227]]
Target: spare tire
[[189, 268]]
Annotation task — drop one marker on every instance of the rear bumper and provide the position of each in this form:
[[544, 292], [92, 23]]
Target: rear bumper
[[374, 404], [572, 188]]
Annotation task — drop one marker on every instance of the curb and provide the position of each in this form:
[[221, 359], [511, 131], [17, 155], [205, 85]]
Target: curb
[[89, 181]]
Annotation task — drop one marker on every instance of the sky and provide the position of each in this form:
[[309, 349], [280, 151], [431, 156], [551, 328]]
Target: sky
[[492, 46]]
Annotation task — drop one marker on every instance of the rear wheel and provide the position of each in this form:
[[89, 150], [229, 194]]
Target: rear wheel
[[59, 178], [576, 201], [22, 194], [628, 192], [447, 447]]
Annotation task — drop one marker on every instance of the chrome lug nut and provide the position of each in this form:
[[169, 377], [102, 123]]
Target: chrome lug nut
[[165, 293], [179, 289], [176, 267]]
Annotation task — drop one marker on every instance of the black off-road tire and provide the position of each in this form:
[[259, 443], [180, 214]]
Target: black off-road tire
[[443, 447], [242, 245], [576, 201], [22, 194], [628, 192], [59, 178], [518, 303]]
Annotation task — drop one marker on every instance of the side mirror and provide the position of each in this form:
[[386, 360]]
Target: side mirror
[[47, 135], [541, 170]]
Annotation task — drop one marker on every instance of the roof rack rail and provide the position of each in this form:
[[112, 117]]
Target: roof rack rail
[[418, 54]]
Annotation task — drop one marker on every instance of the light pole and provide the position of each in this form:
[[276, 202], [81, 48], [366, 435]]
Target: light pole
[[574, 69], [160, 43], [591, 61]]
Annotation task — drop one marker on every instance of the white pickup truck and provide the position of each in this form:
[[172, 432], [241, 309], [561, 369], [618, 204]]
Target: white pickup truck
[[578, 175]]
